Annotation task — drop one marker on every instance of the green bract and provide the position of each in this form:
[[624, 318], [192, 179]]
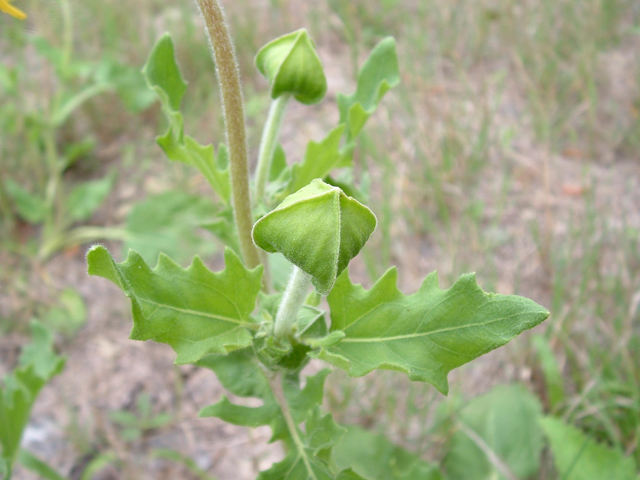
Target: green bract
[[292, 66], [319, 229]]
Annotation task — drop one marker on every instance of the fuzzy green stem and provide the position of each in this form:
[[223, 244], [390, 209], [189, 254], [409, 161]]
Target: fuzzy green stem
[[292, 300], [269, 142], [233, 107]]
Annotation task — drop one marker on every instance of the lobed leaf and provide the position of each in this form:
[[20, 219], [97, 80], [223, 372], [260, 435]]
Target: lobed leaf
[[163, 76], [378, 74], [426, 334], [193, 310]]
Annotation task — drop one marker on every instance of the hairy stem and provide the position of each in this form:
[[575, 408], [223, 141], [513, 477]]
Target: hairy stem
[[233, 107], [269, 142], [292, 300]]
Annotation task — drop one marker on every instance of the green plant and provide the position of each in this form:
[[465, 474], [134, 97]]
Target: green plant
[[38, 363], [258, 340], [38, 141]]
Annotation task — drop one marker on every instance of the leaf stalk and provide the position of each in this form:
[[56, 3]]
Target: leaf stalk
[[269, 142], [292, 300]]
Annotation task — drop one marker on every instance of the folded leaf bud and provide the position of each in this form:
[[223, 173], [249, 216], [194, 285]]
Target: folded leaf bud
[[319, 229], [292, 66]]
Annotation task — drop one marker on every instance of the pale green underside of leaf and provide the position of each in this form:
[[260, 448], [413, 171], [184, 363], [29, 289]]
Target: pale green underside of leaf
[[426, 334], [191, 309], [578, 457]]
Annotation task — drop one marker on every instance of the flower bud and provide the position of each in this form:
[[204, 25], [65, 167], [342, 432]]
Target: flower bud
[[319, 229], [292, 66]]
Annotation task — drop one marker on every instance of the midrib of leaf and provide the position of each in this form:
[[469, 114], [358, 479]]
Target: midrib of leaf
[[199, 313], [402, 305], [423, 334]]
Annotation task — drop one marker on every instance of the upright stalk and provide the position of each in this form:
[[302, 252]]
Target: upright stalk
[[67, 46], [233, 107], [292, 300], [269, 142]]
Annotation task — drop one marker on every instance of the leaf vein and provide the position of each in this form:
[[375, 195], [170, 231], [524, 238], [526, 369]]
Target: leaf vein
[[425, 334], [198, 313]]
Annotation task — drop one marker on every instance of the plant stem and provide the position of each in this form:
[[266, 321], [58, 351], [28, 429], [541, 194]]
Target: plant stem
[[292, 300], [275, 382], [52, 221], [232, 105], [67, 46], [269, 142]]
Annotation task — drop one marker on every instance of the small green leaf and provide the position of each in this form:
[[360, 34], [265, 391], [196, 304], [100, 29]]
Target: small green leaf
[[278, 163], [376, 458], [193, 310], [578, 457], [241, 374], [30, 207], [38, 364], [319, 159], [501, 425], [426, 334], [163, 74], [319, 229], [40, 354], [85, 198], [379, 73], [292, 66], [322, 432]]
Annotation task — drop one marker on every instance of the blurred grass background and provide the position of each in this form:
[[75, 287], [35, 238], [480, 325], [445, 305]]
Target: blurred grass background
[[511, 148]]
